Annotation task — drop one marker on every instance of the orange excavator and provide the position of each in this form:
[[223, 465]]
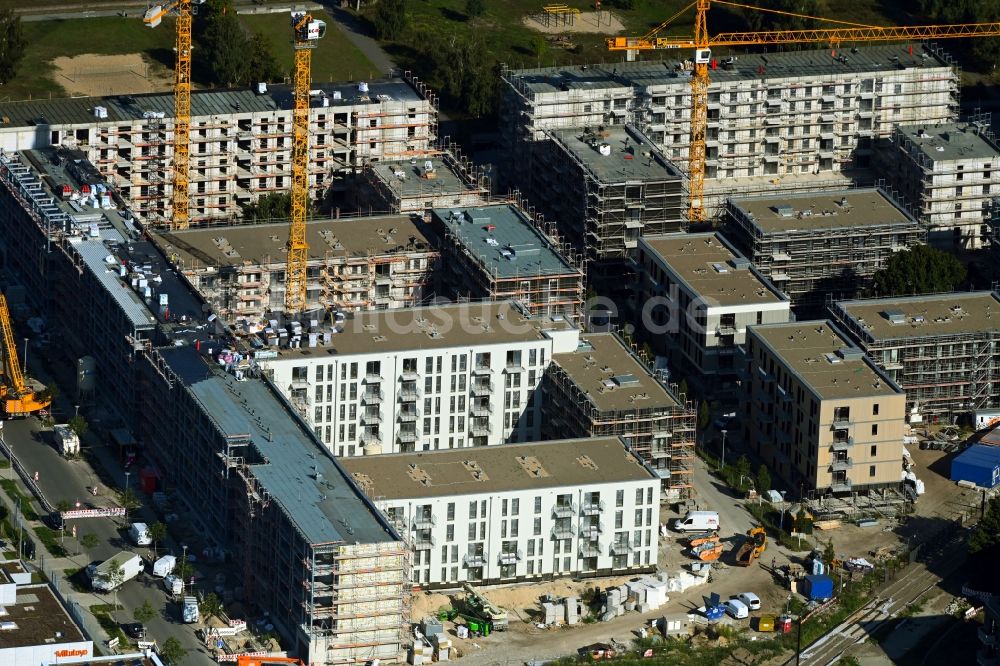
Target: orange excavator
[[706, 547], [753, 547], [18, 398]]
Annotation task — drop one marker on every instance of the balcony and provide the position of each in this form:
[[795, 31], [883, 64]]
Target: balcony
[[841, 464], [300, 382], [423, 542], [408, 436], [510, 558], [480, 430], [843, 444], [590, 549], [410, 375], [409, 415], [564, 510], [481, 370], [372, 397], [477, 560], [593, 508], [481, 410], [841, 486], [373, 376], [841, 422], [482, 388], [622, 547], [985, 637], [562, 532], [368, 437], [409, 394], [369, 418], [591, 531], [725, 329], [424, 522]]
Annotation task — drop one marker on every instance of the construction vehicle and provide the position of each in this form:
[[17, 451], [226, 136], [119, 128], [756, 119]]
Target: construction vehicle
[[753, 547], [250, 660], [702, 45], [184, 9], [18, 398], [704, 537], [709, 551], [482, 608], [307, 32]]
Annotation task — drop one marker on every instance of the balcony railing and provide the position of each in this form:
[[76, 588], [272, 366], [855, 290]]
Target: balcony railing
[[409, 415], [562, 532], [373, 376], [564, 510], [482, 388], [481, 410], [841, 464], [841, 422], [409, 394], [371, 417], [372, 397], [841, 486], [842, 444], [423, 543], [481, 370], [478, 560], [480, 430], [410, 375], [368, 437], [590, 549], [593, 508], [622, 548], [510, 558], [590, 531], [424, 522], [725, 329], [408, 436]]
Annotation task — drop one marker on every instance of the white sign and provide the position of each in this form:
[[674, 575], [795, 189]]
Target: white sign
[[113, 643], [145, 645], [109, 512], [235, 657]]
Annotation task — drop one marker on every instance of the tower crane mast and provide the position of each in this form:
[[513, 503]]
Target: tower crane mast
[[307, 31], [18, 398], [702, 44]]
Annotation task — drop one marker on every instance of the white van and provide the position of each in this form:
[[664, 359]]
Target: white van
[[139, 534], [698, 521], [737, 610]]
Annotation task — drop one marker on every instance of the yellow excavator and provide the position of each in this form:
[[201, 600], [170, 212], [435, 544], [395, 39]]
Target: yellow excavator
[[18, 398], [753, 547]]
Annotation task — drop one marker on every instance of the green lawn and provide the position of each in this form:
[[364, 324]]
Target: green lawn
[[335, 59]]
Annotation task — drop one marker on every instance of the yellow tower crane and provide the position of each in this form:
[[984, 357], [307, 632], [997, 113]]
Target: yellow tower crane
[[18, 398], [307, 32], [703, 45], [182, 102]]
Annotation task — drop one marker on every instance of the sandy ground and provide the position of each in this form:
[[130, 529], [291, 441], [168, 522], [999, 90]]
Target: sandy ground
[[587, 22], [99, 75]]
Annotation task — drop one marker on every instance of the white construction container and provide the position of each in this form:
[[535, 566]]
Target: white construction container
[[69, 443], [164, 566]]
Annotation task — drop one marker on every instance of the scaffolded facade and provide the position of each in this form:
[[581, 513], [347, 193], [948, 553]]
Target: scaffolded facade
[[438, 180]]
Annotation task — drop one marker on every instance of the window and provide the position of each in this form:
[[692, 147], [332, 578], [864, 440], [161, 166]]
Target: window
[[515, 506], [450, 533], [451, 511], [503, 508], [618, 519], [638, 495], [537, 527], [472, 510], [871, 470], [513, 527], [538, 505], [874, 451], [875, 409], [620, 498], [472, 531], [874, 429]]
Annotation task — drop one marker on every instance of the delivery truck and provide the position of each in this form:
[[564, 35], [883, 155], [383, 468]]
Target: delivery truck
[[698, 521], [163, 566], [69, 443], [189, 610], [139, 533], [102, 576]]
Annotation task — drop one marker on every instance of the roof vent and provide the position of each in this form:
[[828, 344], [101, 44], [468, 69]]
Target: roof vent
[[625, 380], [720, 268], [850, 353], [832, 358], [784, 210], [895, 316], [740, 263]]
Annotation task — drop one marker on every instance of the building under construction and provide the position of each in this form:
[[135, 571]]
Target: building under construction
[[604, 186], [501, 253], [241, 140], [775, 116], [354, 264], [420, 185], [949, 173], [605, 389], [943, 349], [812, 246]]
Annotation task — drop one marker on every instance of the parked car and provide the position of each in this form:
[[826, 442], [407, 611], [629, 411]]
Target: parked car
[[736, 609], [54, 520], [134, 630], [751, 600]]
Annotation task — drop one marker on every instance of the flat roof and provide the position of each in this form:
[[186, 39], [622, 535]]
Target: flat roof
[[925, 316], [410, 178], [462, 325], [38, 616], [787, 64], [629, 157], [703, 261], [950, 141], [80, 110], [504, 241], [809, 349], [837, 209], [612, 377], [266, 243], [299, 474], [503, 468], [96, 258]]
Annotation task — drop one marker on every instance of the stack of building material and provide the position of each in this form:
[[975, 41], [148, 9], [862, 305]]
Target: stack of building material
[[637, 592], [572, 610], [551, 612], [656, 592], [682, 580], [421, 653], [442, 647]]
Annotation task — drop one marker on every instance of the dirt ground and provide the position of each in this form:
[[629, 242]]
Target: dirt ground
[[99, 75], [586, 22]]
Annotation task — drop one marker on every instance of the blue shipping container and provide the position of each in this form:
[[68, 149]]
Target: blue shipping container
[[818, 587], [979, 464]]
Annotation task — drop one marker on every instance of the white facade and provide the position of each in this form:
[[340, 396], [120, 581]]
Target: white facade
[[505, 533], [463, 389], [54, 653]]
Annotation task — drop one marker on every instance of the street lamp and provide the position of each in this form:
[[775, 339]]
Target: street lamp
[[25, 371], [723, 447], [76, 412]]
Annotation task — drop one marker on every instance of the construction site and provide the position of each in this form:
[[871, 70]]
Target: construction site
[[420, 185], [942, 349], [823, 245], [605, 389]]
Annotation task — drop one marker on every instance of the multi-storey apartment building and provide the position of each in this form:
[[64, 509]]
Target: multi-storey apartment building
[[521, 512], [420, 185], [425, 378], [776, 115], [943, 349], [698, 297], [817, 245], [241, 140], [948, 173], [499, 252], [820, 414], [354, 264], [606, 187], [604, 389]]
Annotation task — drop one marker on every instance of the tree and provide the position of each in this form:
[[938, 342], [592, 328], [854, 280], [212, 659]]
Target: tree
[[682, 388], [211, 605], [144, 613], [116, 576], [89, 540], [261, 63], [703, 415], [474, 8], [229, 53], [919, 270], [829, 554], [12, 45], [463, 69], [172, 651], [389, 18], [128, 500], [803, 523], [157, 533], [272, 206], [79, 425], [985, 539], [763, 478], [743, 469]]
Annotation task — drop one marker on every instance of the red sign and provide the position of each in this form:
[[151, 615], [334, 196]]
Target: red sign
[[109, 512], [71, 653]]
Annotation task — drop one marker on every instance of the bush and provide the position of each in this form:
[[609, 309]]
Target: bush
[[50, 540], [10, 487]]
